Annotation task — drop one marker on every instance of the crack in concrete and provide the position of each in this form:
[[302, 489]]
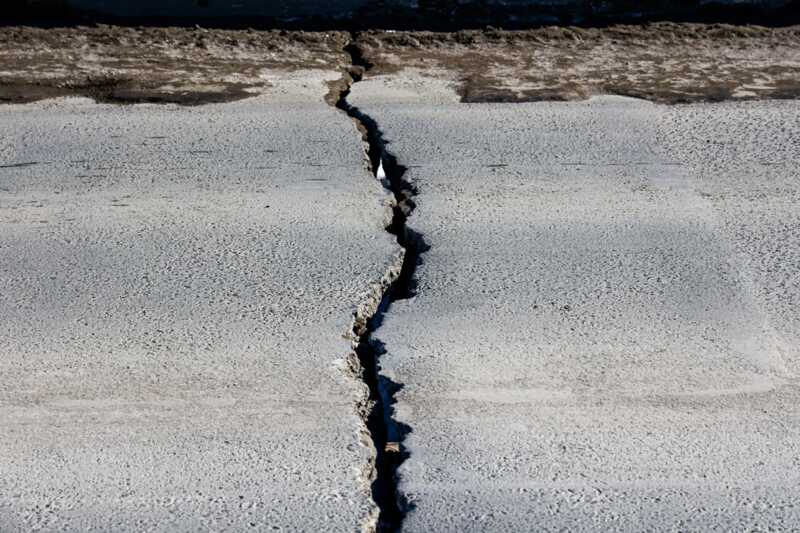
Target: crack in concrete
[[385, 434]]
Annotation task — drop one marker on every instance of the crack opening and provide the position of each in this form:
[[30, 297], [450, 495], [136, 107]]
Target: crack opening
[[376, 408]]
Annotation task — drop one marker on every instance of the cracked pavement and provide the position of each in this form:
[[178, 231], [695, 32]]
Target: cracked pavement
[[604, 330], [600, 334], [176, 286]]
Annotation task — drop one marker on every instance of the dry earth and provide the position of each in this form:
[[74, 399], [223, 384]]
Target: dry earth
[[664, 62], [180, 65]]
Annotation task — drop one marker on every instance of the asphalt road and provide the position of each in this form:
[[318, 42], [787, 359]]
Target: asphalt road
[[603, 333], [175, 288], [605, 330]]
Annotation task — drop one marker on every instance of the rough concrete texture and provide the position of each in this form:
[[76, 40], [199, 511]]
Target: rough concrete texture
[[604, 333], [175, 286]]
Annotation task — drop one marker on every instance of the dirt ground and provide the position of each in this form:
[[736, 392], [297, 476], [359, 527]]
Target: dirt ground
[[663, 62], [179, 65]]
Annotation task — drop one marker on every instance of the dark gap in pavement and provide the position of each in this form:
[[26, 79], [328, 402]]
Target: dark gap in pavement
[[387, 434]]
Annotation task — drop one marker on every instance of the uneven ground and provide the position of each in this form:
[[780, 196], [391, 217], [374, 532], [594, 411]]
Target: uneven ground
[[662, 62], [128, 65], [592, 325]]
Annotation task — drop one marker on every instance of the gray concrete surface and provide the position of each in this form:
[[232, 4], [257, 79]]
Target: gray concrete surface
[[175, 286], [604, 335], [605, 330]]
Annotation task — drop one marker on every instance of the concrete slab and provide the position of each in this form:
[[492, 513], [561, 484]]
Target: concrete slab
[[175, 287], [604, 331]]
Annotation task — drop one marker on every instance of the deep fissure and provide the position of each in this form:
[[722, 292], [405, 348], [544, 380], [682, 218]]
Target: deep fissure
[[386, 434]]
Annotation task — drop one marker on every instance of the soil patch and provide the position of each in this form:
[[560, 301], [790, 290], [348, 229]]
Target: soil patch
[[662, 62], [177, 65]]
